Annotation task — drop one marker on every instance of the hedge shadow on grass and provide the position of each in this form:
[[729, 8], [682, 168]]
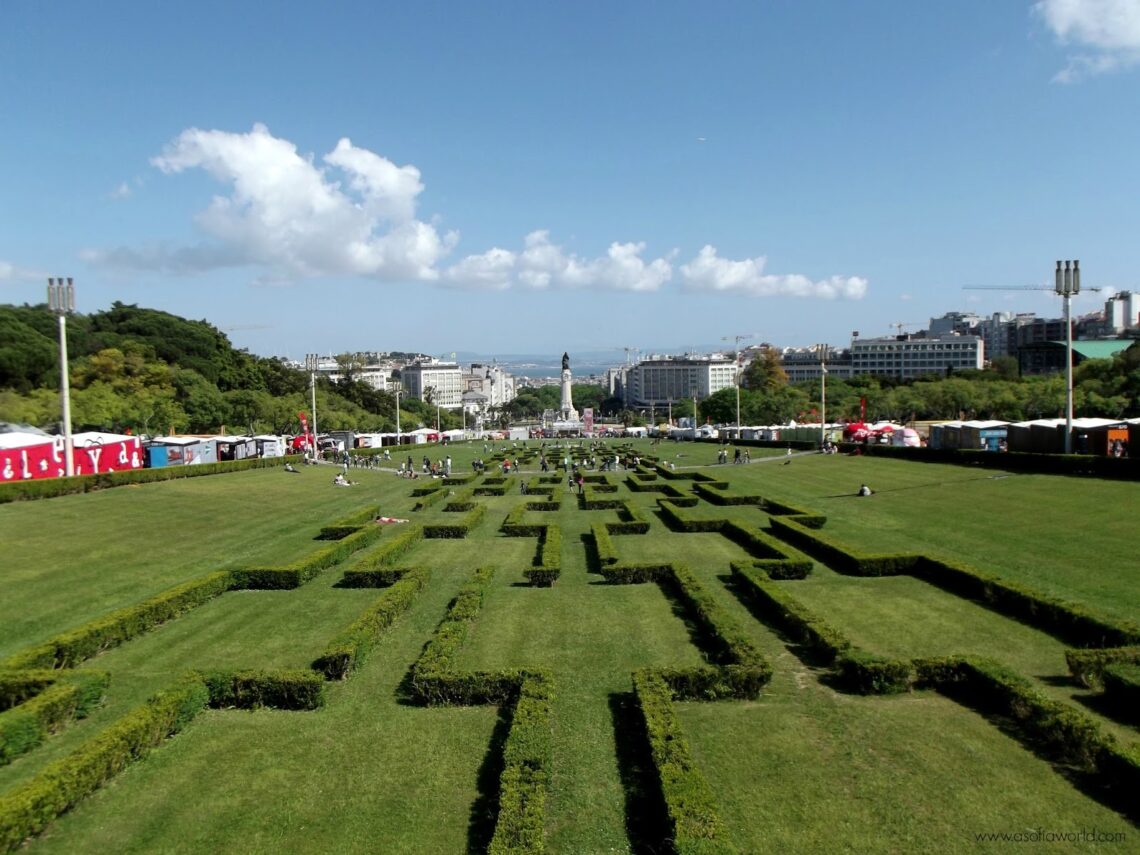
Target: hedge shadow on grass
[[646, 814], [484, 812]]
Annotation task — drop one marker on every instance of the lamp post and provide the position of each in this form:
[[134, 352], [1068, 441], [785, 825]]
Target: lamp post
[[736, 340], [398, 390], [311, 361], [823, 351], [1067, 285], [61, 300]]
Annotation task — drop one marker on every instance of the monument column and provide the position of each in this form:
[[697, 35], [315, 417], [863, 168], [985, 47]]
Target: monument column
[[567, 411]]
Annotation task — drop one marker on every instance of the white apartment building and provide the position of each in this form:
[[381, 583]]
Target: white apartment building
[[908, 357], [491, 381], [443, 379], [803, 363], [656, 382]]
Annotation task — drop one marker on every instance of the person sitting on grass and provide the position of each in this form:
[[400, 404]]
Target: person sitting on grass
[[864, 491], [341, 481], [289, 467]]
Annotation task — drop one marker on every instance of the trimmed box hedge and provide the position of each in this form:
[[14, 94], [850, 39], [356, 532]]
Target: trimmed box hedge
[[348, 650], [389, 550], [83, 642], [1088, 665], [459, 529], [28, 808], [305, 569], [297, 689], [1122, 689], [27, 725], [525, 780], [694, 824]]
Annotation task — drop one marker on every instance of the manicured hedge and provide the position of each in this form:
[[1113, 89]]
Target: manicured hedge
[[513, 526], [427, 489], [429, 499], [670, 511], [73, 696], [350, 524], [17, 686], [305, 569], [458, 529], [603, 544], [298, 689], [775, 605], [805, 518], [632, 521], [694, 825], [83, 642], [1066, 733], [379, 577], [717, 492], [28, 808], [349, 648], [838, 556], [1061, 618], [1088, 665], [1122, 688], [548, 560], [634, 574], [525, 781], [389, 550], [777, 559]]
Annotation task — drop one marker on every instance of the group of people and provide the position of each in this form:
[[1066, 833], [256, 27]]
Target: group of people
[[737, 455]]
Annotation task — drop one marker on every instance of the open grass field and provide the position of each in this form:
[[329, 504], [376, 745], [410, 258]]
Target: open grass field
[[805, 765]]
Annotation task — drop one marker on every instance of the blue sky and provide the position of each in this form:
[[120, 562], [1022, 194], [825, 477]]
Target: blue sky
[[531, 177]]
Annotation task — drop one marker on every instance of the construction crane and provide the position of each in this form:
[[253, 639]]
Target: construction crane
[[1016, 288], [736, 340], [898, 326], [636, 351]]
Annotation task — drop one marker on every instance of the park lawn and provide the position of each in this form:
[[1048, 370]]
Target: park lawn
[[591, 637], [805, 769], [72, 559], [1043, 531], [366, 773]]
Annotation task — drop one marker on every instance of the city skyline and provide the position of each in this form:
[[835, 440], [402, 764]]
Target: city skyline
[[654, 176]]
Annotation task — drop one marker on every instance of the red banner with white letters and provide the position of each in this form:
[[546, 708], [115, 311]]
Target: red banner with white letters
[[47, 459]]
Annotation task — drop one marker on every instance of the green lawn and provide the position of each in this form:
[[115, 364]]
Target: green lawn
[[804, 768]]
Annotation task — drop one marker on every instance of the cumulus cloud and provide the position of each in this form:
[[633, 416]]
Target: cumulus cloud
[[121, 192], [542, 265], [295, 217], [1106, 34], [353, 213], [710, 272]]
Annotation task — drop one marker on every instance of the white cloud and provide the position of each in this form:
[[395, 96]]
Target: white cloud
[[1107, 32], [353, 213], [544, 265], [294, 217], [709, 272], [11, 273], [121, 192]]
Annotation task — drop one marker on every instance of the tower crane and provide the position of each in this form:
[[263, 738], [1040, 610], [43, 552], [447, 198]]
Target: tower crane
[[736, 340]]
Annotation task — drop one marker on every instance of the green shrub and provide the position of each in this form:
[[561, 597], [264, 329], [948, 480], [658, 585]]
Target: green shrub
[[348, 649], [869, 674], [459, 529], [1071, 621], [16, 686], [390, 549], [1122, 688], [350, 524], [823, 641], [28, 808], [380, 577], [83, 642], [603, 544], [304, 569], [670, 510], [299, 689], [634, 574], [717, 493], [1088, 665], [694, 823], [73, 696], [525, 780]]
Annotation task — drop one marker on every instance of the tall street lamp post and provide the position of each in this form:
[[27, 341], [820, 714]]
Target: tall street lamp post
[[311, 361], [61, 300], [823, 352], [1067, 285]]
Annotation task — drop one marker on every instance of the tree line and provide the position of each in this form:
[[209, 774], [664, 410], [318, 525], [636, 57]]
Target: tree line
[[153, 372]]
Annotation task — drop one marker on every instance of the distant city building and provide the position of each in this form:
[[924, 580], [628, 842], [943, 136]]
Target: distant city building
[[1122, 312], [803, 363], [491, 381], [659, 381], [442, 382], [907, 357]]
